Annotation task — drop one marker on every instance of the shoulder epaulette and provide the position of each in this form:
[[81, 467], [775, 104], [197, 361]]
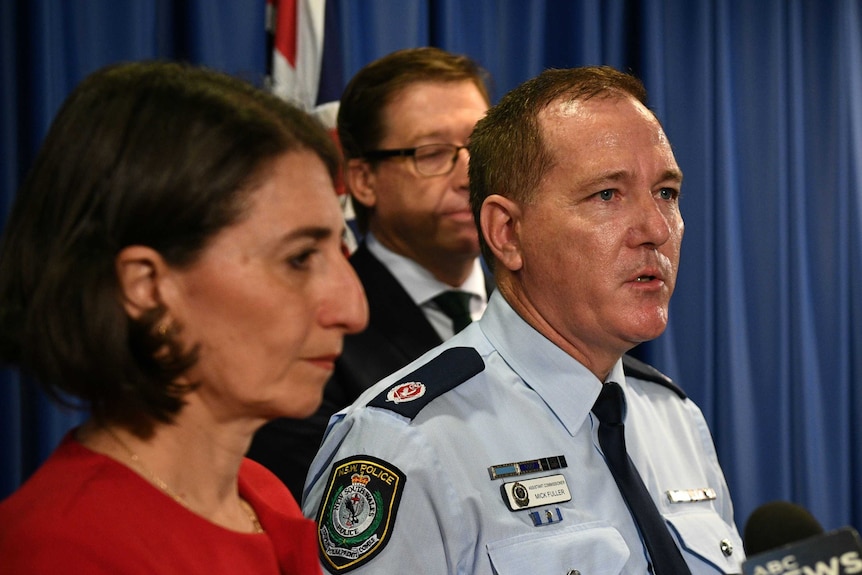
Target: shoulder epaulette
[[414, 391], [636, 368]]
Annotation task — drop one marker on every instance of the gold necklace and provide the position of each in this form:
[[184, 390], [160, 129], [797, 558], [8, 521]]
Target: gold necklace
[[158, 482]]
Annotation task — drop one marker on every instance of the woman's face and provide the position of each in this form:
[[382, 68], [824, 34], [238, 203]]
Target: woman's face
[[270, 298]]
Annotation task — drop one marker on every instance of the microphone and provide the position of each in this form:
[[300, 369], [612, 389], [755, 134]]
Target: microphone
[[776, 524], [782, 538]]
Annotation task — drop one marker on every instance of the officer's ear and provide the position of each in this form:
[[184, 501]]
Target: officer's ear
[[360, 180], [500, 220]]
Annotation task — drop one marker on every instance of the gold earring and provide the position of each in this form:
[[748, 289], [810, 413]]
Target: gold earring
[[164, 329]]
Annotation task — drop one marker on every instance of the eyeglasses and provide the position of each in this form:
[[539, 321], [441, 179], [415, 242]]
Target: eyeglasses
[[430, 159]]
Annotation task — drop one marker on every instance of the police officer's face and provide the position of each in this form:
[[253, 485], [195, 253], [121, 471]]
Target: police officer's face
[[601, 241]]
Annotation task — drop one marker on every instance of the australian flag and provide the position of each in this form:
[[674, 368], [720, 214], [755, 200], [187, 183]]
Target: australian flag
[[306, 65]]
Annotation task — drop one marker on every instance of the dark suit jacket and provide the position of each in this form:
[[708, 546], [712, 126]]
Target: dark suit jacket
[[398, 332]]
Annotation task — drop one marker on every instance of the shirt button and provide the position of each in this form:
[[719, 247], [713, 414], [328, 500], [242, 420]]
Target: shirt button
[[726, 547]]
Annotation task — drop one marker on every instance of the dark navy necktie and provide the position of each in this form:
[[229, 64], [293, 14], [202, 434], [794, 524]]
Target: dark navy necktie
[[664, 555], [456, 305]]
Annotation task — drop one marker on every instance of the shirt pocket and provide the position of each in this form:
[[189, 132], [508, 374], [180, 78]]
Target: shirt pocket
[[592, 548], [707, 536]]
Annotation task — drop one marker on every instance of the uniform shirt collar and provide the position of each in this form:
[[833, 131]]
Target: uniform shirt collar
[[566, 386]]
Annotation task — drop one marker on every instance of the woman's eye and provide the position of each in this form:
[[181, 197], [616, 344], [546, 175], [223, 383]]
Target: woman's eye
[[300, 261]]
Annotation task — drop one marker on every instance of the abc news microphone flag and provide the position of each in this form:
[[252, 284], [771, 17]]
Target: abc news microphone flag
[[838, 552], [305, 68]]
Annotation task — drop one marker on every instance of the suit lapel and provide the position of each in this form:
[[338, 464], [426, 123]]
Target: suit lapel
[[392, 312]]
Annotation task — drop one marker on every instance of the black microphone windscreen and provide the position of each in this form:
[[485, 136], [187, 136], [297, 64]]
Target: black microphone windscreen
[[778, 523]]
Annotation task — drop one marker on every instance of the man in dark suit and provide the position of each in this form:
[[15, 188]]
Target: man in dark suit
[[403, 123]]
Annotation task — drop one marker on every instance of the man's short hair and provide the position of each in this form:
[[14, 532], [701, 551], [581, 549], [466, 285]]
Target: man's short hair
[[360, 113], [508, 155]]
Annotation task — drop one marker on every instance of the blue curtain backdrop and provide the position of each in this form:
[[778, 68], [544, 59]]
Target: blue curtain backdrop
[[763, 103]]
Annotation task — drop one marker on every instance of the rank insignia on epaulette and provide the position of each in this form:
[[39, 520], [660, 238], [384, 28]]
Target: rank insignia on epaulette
[[410, 394], [406, 392], [357, 512]]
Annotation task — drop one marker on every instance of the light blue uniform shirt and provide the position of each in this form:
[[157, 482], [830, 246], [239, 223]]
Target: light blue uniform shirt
[[412, 493]]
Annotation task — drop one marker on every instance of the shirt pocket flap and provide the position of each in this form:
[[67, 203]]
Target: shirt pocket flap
[[590, 548], [707, 536]]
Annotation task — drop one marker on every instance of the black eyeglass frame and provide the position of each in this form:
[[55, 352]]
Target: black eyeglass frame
[[411, 153]]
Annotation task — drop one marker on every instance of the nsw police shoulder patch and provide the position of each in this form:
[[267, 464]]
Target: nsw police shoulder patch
[[357, 512]]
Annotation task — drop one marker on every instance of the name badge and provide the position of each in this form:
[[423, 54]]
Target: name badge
[[530, 493]]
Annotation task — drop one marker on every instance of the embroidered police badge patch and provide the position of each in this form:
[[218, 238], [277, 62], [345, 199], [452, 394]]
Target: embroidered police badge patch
[[357, 512]]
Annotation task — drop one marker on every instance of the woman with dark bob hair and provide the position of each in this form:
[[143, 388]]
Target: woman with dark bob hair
[[172, 263]]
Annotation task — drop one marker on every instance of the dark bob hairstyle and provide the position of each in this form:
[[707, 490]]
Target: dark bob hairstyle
[[157, 154]]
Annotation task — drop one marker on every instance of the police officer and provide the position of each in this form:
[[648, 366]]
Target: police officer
[[529, 443]]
